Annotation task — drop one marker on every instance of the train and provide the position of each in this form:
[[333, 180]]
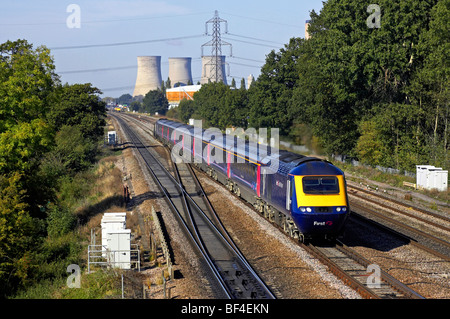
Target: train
[[305, 196]]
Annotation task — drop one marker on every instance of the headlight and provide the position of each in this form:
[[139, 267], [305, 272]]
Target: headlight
[[338, 209], [344, 209], [308, 209], [302, 209]]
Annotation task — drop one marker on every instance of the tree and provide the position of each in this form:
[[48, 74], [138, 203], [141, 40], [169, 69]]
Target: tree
[[46, 131], [370, 148], [109, 100], [60, 221], [155, 101], [17, 233], [430, 85], [124, 99], [351, 68], [78, 104], [269, 96], [135, 106], [210, 104], [236, 108], [243, 84], [75, 151], [185, 110], [387, 138], [27, 81]]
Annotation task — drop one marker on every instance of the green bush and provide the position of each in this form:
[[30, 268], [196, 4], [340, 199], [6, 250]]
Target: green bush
[[60, 221]]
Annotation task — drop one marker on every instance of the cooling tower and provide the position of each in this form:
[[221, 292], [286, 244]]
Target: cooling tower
[[208, 67], [180, 71], [148, 75]]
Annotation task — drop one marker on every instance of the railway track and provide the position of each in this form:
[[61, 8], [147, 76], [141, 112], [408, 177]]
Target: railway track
[[344, 262], [421, 239], [432, 237], [233, 273], [367, 279], [438, 220], [355, 270]]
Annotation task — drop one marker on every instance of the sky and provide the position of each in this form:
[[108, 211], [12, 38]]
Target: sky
[[98, 41]]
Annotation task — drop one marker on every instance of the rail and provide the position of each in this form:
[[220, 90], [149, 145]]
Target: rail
[[339, 257], [355, 271], [201, 231]]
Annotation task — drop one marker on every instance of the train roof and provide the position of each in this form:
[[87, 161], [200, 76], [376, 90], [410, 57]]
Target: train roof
[[172, 124], [263, 154], [319, 167]]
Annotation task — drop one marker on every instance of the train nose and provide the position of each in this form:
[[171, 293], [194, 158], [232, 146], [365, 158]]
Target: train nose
[[318, 224]]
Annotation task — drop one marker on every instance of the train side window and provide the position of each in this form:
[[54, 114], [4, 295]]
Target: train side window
[[291, 187]]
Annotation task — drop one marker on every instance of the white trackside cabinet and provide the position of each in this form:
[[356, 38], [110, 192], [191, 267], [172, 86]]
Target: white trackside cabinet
[[119, 246], [111, 222]]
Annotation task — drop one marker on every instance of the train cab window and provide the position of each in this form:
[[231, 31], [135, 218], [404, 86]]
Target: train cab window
[[291, 188], [320, 185]]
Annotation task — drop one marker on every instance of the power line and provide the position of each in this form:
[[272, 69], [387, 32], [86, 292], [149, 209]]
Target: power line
[[100, 21], [263, 20], [248, 65], [99, 70], [135, 66], [248, 42], [118, 88], [86, 46], [252, 38], [144, 18], [110, 68], [246, 59]]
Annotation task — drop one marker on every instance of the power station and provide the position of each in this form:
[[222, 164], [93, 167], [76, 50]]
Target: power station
[[213, 69], [180, 71], [148, 75]]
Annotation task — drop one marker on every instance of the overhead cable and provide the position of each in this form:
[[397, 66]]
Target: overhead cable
[[263, 20], [247, 65], [253, 38], [246, 59], [248, 42], [99, 70], [99, 21], [112, 68], [87, 46]]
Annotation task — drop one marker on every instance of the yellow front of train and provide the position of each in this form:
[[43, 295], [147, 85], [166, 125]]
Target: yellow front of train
[[319, 203]]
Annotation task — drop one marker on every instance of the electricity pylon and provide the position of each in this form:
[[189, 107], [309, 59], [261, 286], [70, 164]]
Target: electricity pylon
[[216, 44]]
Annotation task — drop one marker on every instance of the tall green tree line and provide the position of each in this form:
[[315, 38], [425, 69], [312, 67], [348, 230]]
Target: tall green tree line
[[48, 133]]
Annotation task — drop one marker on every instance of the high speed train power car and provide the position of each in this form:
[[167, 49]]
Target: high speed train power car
[[306, 196]]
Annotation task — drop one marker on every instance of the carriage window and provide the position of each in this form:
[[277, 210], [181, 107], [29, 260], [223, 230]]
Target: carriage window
[[320, 185]]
